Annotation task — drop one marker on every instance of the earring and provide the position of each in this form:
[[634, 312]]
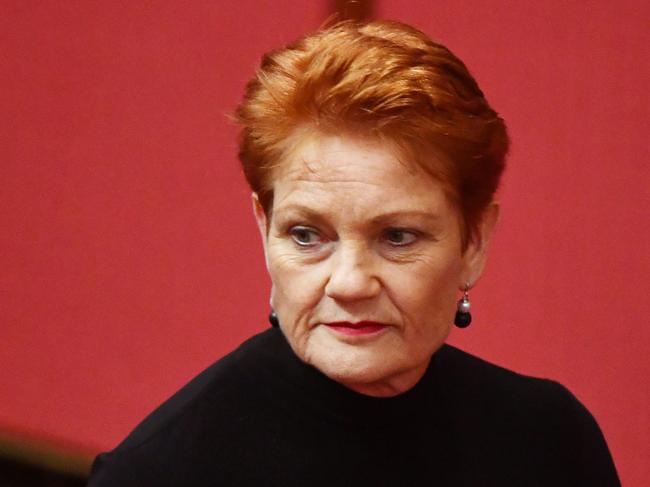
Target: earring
[[463, 317], [273, 319]]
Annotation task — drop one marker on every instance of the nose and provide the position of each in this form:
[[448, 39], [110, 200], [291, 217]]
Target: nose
[[352, 274]]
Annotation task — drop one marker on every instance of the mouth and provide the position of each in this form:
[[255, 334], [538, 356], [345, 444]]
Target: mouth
[[359, 328]]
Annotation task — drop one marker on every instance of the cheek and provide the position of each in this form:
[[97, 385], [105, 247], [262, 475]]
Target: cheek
[[296, 286], [427, 292]]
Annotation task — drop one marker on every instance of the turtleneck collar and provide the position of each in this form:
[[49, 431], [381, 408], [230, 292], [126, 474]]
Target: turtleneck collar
[[279, 372]]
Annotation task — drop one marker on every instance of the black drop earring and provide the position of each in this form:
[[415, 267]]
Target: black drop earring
[[273, 319], [463, 317]]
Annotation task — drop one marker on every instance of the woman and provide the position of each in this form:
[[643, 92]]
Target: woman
[[373, 158]]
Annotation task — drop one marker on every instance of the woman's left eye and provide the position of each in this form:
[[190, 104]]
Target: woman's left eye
[[399, 237]]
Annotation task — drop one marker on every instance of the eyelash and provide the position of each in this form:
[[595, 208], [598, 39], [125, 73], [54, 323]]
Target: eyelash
[[296, 230], [413, 234], [293, 231]]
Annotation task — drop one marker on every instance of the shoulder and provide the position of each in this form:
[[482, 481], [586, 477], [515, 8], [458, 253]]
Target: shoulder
[[220, 395], [470, 380], [218, 385], [504, 413], [462, 372]]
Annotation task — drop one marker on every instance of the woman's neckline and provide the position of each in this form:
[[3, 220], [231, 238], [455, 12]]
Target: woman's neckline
[[285, 377]]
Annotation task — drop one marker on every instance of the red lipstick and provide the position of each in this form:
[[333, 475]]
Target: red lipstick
[[360, 328]]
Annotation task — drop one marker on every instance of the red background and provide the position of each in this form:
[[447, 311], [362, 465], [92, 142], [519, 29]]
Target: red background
[[129, 255]]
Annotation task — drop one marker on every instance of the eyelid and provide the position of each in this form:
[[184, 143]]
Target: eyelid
[[307, 229], [415, 235]]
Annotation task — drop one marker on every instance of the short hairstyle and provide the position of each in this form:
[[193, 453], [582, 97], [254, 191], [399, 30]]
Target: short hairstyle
[[383, 80]]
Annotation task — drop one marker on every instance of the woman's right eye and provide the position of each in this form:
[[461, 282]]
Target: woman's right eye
[[305, 236]]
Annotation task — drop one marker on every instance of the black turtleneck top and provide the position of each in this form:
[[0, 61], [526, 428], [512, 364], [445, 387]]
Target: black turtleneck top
[[262, 417]]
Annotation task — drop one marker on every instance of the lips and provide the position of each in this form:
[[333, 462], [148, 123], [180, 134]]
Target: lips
[[359, 328]]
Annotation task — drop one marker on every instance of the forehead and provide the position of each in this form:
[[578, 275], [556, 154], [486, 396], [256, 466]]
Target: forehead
[[323, 158], [358, 174]]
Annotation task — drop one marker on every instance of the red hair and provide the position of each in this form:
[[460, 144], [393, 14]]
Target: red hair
[[383, 80]]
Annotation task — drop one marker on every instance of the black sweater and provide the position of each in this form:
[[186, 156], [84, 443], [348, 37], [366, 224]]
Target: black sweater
[[261, 417]]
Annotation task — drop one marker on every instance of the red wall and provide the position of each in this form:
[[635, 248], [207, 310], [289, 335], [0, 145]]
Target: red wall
[[129, 259]]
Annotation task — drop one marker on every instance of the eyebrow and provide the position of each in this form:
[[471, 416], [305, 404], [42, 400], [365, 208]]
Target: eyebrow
[[383, 218], [298, 210], [393, 215]]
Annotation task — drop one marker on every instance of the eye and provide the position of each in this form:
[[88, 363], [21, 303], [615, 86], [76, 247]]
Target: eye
[[305, 236], [398, 237]]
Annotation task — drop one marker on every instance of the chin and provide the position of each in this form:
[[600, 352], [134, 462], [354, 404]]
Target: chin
[[360, 366], [381, 365]]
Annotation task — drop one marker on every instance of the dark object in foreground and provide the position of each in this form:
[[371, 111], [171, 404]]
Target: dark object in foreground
[[18, 474]]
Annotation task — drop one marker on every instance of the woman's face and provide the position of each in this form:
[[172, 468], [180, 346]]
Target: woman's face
[[364, 253]]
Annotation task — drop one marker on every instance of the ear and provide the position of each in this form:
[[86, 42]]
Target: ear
[[475, 254], [262, 223]]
